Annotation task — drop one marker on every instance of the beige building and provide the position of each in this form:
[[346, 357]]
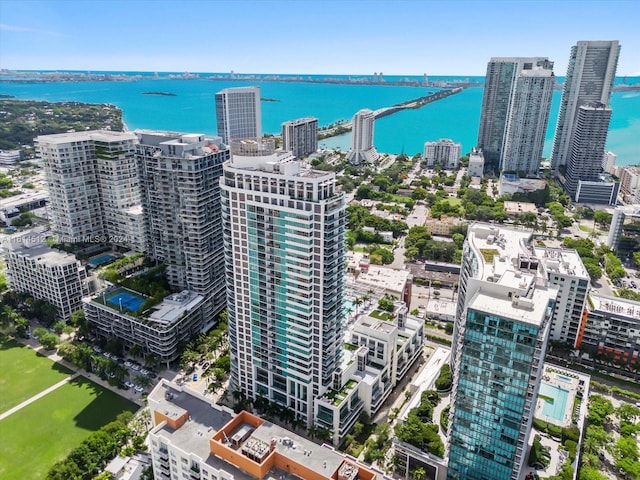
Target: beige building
[[519, 208]]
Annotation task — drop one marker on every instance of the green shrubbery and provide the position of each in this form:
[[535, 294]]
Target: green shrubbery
[[445, 379]]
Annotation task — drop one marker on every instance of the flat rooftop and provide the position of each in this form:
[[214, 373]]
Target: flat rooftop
[[530, 310], [34, 247], [96, 135], [617, 305], [562, 260], [383, 278]]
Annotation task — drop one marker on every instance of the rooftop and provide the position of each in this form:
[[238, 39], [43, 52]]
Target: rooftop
[[95, 135], [561, 260], [616, 305], [34, 247]]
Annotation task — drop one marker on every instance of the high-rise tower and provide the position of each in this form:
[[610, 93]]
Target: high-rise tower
[[515, 111], [503, 317], [179, 177], [588, 139], [300, 137], [590, 75], [362, 149], [284, 241], [238, 113]]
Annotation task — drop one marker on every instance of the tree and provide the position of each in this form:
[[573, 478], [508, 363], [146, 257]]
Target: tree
[[593, 269], [628, 412], [49, 341]]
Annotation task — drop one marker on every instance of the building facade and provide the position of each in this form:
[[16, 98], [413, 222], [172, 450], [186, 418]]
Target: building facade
[[588, 138], [45, 273], [362, 149], [284, 229], [504, 315], [590, 75], [180, 183], [300, 137], [445, 152], [92, 180], [630, 181], [476, 163], [511, 86], [624, 232], [238, 113]]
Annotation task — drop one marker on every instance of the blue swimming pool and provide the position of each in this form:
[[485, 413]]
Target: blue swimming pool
[[101, 260], [562, 378], [555, 401]]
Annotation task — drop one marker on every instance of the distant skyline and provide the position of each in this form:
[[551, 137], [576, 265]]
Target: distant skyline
[[360, 37]]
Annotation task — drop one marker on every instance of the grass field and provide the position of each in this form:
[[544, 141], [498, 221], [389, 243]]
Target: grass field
[[44, 432], [23, 373]]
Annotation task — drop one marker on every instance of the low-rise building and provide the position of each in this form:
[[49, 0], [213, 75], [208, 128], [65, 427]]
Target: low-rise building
[[195, 439], [519, 208], [12, 207], [380, 279], [612, 329], [158, 330], [45, 273], [476, 164], [443, 226]]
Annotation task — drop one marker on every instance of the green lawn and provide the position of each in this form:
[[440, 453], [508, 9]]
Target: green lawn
[[44, 432], [23, 373]]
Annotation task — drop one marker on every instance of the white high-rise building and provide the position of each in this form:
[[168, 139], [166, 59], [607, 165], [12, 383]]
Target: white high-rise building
[[362, 149], [503, 318], [93, 186], [445, 152], [515, 108], [526, 126], [300, 137], [590, 75], [238, 113], [179, 178], [284, 242]]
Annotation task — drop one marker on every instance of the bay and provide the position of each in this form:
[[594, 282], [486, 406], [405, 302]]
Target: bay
[[192, 109]]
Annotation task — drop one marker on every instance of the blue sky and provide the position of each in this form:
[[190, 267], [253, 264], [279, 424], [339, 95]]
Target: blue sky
[[401, 37]]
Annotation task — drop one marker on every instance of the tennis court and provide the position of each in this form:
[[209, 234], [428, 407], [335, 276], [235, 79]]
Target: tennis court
[[126, 300]]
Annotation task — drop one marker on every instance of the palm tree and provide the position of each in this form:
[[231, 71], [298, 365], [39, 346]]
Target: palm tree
[[313, 431]]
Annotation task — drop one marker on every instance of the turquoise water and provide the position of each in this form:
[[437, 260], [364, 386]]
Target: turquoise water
[[96, 262], [192, 110], [562, 378], [558, 407]]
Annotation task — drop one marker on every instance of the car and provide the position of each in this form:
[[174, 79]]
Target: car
[[128, 364], [205, 366], [106, 354], [135, 367], [195, 377], [152, 375], [144, 371], [120, 361], [123, 386], [138, 389], [129, 384], [97, 349]]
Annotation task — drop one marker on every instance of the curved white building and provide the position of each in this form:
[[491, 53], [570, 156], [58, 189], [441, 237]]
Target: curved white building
[[362, 149]]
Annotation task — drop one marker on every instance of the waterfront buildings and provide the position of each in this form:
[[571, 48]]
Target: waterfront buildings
[[445, 152], [505, 310], [93, 186], [630, 182], [45, 273], [588, 138], [515, 110], [476, 163], [590, 75], [196, 439], [179, 178], [624, 232], [238, 113], [158, 330], [300, 137], [609, 162], [362, 149], [284, 239], [612, 330], [564, 269]]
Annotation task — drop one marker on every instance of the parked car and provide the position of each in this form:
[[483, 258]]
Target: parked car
[[129, 384], [195, 377], [138, 389]]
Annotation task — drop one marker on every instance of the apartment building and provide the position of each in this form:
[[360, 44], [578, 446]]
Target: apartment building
[[300, 137], [238, 113], [445, 152]]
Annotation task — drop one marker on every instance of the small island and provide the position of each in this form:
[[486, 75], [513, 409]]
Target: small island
[[4, 95], [163, 94], [263, 99]]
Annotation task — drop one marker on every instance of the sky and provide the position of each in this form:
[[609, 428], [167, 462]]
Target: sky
[[400, 37]]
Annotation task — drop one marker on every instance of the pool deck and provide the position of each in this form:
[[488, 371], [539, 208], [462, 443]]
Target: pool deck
[[550, 377]]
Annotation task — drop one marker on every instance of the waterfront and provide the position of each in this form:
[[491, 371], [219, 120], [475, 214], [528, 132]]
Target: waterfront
[[192, 109]]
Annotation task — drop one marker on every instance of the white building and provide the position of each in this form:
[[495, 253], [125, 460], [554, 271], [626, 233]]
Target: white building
[[92, 179], [445, 152], [362, 149], [300, 137], [630, 181], [156, 329], [564, 269], [179, 179], [284, 244], [590, 75], [609, 162], [238, 113], [476, 163], [624, 236], [45, 273]]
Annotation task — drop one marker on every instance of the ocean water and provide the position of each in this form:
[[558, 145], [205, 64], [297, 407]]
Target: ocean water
[[192, 109]]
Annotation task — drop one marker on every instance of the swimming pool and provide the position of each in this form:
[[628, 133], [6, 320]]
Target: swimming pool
[[555, 401], [562, 378], [102, 259]]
